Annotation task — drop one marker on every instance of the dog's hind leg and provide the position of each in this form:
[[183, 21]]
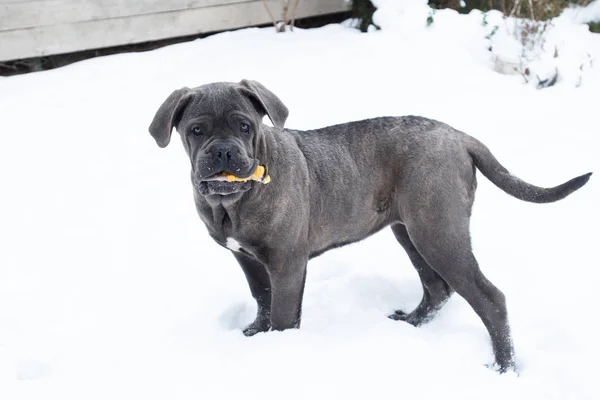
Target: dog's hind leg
[[441, 235], [260, 287], [435, 290]]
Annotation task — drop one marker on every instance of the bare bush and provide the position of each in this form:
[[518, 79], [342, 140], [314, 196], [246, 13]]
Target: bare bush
[[540, 10], [528, 22], [288, 15]]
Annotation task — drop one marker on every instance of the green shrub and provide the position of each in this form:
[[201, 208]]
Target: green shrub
[[363, 10]]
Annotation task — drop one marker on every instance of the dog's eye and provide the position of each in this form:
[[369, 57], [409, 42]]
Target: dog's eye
[[197, 130], [245, 127]]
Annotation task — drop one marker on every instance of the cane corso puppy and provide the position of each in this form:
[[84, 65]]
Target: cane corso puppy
[[334, 186]]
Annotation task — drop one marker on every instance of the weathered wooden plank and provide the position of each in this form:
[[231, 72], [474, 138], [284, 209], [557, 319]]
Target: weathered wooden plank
[[65, 38], [35, 13]]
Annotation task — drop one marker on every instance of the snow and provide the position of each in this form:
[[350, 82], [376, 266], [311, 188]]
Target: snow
[[589, 13], [233, 244], [110, 286]]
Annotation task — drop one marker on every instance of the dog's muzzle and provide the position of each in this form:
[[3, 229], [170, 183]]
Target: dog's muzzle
[[222, 188], [223, 157]]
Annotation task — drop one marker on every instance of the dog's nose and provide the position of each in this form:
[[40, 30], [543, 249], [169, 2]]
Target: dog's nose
[[222, 154]]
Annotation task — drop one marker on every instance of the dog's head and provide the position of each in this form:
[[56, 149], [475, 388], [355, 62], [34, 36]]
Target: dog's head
[[220, 126]]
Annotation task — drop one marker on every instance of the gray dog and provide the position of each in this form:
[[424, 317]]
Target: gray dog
[[338, 185]]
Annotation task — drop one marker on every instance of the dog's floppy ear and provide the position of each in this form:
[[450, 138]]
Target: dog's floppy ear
[[168, 116], [270, 104]]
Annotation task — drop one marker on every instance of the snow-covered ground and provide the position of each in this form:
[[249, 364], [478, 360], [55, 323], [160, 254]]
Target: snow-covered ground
[[110, 288], [590, 13]]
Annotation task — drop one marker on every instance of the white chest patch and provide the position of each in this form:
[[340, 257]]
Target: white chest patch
[[233, 244]]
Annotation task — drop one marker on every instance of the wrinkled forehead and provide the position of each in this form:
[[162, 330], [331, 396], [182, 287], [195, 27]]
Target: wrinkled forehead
[[219, 99]]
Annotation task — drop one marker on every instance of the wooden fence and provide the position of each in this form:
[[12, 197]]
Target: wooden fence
[[34, 28]]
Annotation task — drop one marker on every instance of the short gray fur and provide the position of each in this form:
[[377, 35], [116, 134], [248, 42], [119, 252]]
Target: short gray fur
[[338, 185]]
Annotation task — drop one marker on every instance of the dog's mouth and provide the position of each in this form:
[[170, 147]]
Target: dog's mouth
[[224, 183], [219, 185], [223, 188]]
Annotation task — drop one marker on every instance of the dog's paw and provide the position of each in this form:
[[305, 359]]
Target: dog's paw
[[503, 369], [250, 331], [256, 327], [398, 315], [414, 318]]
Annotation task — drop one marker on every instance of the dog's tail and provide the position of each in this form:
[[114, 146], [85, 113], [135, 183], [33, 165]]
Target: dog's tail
[[492, 169]]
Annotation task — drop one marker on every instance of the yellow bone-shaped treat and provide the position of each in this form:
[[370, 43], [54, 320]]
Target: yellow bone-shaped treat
[[259, 175]]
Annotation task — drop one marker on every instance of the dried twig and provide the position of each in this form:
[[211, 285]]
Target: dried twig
[[531, 9], [293, 22], [270, 14], [514, 9], [524, 74], [284, 14]]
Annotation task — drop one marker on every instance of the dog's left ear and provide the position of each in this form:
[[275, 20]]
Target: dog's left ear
[[168, 116], [271, 105]]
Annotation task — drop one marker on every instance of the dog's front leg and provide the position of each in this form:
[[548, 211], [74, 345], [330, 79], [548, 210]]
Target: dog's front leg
[[287, 287], [260, 287]]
